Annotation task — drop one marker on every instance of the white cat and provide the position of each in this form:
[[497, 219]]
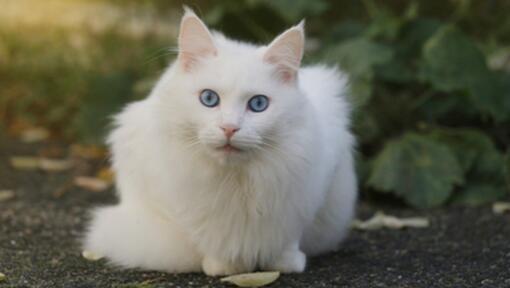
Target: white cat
[[238, 160]]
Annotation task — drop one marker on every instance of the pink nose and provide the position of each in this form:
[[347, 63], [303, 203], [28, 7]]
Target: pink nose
[[229, 130]]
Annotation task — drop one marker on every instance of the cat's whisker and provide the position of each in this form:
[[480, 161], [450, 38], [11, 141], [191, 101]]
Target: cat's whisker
[[162, 53]]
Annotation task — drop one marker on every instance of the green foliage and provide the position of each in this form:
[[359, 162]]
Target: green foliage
[[417, 168], [441, 82], [481, 162], [432, 113], [451, 62], [359, 56]]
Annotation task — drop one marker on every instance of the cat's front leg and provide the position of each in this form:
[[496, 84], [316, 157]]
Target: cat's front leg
[[291, 260], [214, 267]]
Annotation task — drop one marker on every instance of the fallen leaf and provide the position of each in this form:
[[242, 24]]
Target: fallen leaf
[[257, 279], [6, 195], [2, 276], [91, 183], [381, 220], [88, 152], [53, 165], [106, 174], [25, 162], [500, 207], [45, 164], [34, 135], [91, 256]]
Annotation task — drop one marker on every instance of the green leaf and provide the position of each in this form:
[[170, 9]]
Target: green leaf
[[415, 34], [384, 25], [471, 147], [418, 169], [479, 193], [359, 56], [402, 67], [451, 62], [481, 162]]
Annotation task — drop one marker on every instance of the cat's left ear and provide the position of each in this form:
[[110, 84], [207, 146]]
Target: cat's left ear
[[286, 52], [195, 40]]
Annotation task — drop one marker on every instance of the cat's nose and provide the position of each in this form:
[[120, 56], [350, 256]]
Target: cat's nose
[[229, 130]]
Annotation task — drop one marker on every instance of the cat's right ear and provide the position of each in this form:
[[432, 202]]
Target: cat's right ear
[[195, 41], [286, 51]]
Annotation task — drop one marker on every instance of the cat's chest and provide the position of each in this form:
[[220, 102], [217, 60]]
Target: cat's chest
[[236, 210], [238, 225]]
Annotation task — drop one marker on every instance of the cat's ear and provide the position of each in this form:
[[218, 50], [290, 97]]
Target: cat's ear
[[286, 52], [195, 40]]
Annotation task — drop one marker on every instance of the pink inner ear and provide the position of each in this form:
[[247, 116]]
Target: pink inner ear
[[286, 52], [187, 61], [190, 60], [195, 42], [283, 72], [287, 76]]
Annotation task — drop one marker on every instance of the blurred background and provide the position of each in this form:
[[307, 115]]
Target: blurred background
[[430, 79]]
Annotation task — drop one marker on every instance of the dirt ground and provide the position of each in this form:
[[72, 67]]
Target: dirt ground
[[40, 232]]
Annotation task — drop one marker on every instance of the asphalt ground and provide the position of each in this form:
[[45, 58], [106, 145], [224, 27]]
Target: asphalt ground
[[41, 226]]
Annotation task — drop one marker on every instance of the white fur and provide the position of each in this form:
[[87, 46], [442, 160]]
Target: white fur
[[187, 206]]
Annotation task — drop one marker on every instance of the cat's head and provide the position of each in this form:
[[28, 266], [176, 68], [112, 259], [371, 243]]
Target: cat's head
[[229, 99]]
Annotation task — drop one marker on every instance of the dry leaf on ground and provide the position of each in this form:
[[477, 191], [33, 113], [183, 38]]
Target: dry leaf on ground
[[91, 256], [106, 174], [33, 135], [257, 279], [501, 207], [54, 165], [45, 164], [91, 183], [2, 277], [6, 195], [381, 220], [25, 162], [88, 152]]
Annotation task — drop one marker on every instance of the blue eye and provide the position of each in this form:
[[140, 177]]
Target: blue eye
[[258, 103], [209, 98]]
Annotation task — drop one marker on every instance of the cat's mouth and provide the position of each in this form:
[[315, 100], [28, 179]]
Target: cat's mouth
[[229, 148]]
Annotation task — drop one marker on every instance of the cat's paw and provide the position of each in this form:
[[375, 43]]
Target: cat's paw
[[290, 261], [213, 267]]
